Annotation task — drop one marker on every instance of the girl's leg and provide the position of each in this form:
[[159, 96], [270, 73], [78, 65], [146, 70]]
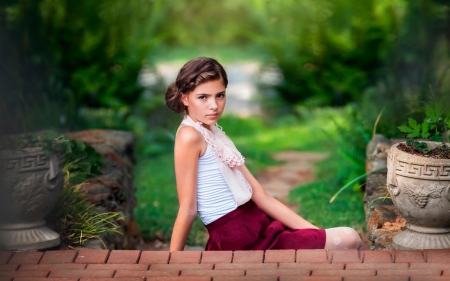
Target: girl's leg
[[342, 238]]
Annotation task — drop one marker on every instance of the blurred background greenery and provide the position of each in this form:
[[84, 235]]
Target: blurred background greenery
[[71, 65]]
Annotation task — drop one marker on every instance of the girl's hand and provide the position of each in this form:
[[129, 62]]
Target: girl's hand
[[272, 207]]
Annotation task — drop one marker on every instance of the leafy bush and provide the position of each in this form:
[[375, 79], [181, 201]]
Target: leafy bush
[[81, 161], [64, 54], [416, 71], [327, 52]]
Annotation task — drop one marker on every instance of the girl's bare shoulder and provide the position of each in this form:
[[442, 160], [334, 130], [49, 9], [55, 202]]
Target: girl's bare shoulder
[[188, 135]]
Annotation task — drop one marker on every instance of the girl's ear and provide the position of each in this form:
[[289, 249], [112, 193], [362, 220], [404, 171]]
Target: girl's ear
[[184, 99]]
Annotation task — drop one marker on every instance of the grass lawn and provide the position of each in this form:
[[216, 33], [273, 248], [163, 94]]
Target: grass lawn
[[316, 130], [224, 54]]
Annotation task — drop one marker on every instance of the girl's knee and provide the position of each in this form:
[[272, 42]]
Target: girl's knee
[[342, 238], [356, 239]]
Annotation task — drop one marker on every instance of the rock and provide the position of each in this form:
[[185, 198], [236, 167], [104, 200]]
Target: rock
[[383, 225], [383, 219], [114, 189]]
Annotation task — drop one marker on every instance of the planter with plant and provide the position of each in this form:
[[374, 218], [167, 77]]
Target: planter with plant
[[418, 181], [31, 179]]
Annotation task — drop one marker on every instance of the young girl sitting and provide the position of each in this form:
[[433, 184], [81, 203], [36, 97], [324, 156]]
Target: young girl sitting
[[213, 181]]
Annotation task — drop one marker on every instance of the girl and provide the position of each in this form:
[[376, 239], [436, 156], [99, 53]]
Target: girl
[[213, 181]]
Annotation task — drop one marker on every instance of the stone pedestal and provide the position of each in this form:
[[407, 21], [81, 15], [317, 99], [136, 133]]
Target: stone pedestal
[[383, 220]]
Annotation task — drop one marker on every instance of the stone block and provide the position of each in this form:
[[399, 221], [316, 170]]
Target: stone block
[[217, 257], [279, 256], [312, 256], [248, 257]]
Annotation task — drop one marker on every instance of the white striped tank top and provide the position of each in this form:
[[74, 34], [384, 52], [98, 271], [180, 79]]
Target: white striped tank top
[[214, 197]]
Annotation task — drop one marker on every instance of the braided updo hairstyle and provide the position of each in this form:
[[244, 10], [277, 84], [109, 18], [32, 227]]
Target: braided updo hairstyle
[[192, 74]]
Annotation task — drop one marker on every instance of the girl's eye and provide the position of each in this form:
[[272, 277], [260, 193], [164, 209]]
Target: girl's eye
[[221, 95], [202, 97]]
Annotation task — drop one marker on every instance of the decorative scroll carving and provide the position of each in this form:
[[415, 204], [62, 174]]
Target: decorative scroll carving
[[420, 171], [25, 163], [421, 194]]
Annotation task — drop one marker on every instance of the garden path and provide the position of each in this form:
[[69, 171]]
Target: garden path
[[297, 168]]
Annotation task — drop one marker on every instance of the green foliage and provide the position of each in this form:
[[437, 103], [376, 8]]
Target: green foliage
[[436, 118], [75, 218], [420, 146], [81, 161], [419, 60], [350, 143], [62, 54], [352, 182], [79, 221], [313, 198], [210, 24], [224, 53], [415, 130], [327, 52]]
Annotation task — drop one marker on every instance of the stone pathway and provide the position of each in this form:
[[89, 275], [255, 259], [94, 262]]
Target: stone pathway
[[297, 169], [273, 265]]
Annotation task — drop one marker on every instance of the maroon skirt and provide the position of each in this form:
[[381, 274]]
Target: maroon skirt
[[249, 228]]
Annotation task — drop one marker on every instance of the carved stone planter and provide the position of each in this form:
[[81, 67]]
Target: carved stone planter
[[420, 190], [30, 183]]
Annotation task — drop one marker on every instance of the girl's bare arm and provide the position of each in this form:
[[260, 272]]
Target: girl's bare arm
[[272, 207], [188, 147]]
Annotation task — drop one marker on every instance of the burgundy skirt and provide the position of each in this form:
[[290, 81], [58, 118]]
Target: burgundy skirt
[[249, 228]]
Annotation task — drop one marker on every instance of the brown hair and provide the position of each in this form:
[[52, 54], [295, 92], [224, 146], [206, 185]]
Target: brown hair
[[192, 74]]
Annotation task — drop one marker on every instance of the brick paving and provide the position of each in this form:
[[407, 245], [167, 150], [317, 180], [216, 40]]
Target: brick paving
[[273, 265]]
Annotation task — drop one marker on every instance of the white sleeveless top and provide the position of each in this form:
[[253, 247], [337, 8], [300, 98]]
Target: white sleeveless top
[[214, 197], [221, 186]]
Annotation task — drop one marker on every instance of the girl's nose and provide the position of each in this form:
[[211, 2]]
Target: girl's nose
[[213, 104]]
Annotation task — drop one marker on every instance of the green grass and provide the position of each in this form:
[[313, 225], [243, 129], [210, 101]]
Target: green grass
[[316, 130], [157, 200], [224, 54], [314, 198]]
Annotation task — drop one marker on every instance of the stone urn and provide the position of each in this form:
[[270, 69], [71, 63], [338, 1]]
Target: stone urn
[[420, 189], [30, 183]]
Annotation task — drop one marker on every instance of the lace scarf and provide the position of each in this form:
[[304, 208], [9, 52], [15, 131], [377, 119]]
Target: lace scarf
[[228, 158]]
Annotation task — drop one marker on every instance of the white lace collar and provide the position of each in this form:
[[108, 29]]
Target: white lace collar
[[223, 148]]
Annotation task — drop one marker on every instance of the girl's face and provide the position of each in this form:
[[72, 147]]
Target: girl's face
[[206, 102]]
